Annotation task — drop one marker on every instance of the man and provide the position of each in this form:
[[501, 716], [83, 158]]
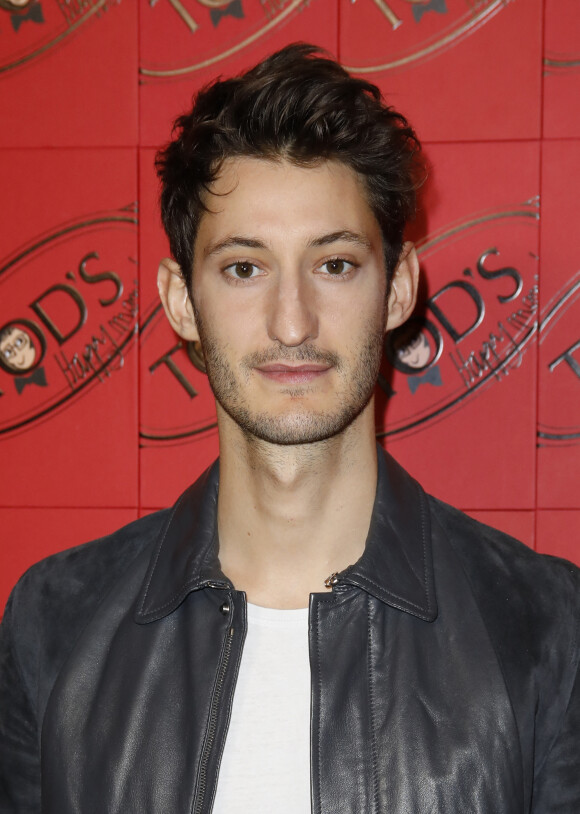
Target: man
[[306, 630]]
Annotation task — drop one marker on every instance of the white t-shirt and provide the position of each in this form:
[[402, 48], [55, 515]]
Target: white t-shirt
[[266, 761]]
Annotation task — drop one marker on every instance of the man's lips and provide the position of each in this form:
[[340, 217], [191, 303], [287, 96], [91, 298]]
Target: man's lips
[[293, 374]]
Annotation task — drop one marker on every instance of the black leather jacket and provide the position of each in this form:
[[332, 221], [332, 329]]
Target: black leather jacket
[[443, 670]]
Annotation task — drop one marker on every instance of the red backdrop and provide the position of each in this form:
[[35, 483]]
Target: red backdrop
[[105, 415]]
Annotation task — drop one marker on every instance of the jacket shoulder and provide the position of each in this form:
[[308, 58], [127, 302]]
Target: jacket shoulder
[[83, 574], [522, 594], [530, 605], [500, 566], [55, 598], [529, 602], [45, 616]]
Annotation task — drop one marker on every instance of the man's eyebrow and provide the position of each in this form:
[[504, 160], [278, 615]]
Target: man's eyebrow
[[344, 235], [231, 242]]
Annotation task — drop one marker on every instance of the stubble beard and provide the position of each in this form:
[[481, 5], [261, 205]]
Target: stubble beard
[[298, 425]]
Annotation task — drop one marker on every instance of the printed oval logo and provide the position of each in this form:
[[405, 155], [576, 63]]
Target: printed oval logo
[[473, 330], [203, 33], [31, 28], [559, 421], [68, 315], [177, 404], [411, 31], [558, 64]]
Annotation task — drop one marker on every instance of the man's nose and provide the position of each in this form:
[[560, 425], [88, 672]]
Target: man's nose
[[292, 312]]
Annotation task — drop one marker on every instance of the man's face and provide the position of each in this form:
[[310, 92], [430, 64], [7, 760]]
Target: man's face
[[17, 351], [289, 292]]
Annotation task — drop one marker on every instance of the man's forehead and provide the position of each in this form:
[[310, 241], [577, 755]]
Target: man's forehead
[[236, 170], [254, 196]]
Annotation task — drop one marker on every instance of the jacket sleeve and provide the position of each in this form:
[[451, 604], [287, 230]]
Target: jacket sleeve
[[19, 736], [557, 784]]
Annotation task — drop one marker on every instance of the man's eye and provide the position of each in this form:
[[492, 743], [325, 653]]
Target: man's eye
[[242, 271], [19, 341], [337, 266]]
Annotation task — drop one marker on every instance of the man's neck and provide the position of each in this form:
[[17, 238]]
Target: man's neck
[[290, 516]]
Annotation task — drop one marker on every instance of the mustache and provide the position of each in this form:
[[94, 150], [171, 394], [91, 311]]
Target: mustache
[[283, 353]]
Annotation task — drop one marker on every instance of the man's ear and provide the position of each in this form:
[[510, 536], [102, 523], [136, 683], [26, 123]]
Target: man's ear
[[404, 286], [175, 298]]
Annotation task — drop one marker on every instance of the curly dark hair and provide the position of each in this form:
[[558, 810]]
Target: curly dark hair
[[298, 105]]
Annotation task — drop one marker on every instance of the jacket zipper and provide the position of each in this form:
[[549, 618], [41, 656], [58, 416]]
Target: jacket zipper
[[212, 723]]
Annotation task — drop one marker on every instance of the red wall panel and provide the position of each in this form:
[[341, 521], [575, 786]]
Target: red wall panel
[[561, 69], [463, 418], [557, 533], [67, 73], [68, 302], [559, 338], [472, 406], [459, 70], [182, 48]]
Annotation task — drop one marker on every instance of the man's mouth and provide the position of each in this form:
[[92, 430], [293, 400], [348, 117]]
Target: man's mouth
[[293, 374]]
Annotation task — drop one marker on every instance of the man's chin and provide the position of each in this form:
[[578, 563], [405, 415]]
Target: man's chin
[[292, 430]]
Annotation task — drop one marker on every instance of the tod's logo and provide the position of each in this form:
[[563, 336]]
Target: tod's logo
[[415, 348], [559, 421], [473, 330], [79, 325], [411, 30], [417, 30], [32, 28]]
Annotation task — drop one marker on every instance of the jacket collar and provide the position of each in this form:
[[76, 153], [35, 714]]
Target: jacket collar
[[397, 563], [396, 566]]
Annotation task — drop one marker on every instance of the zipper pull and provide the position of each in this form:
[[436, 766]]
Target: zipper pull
[[332, 580]]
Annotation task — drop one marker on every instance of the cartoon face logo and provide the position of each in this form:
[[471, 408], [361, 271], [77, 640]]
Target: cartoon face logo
[[416, 352], [23, 11], [17, 351], [15, 5]]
